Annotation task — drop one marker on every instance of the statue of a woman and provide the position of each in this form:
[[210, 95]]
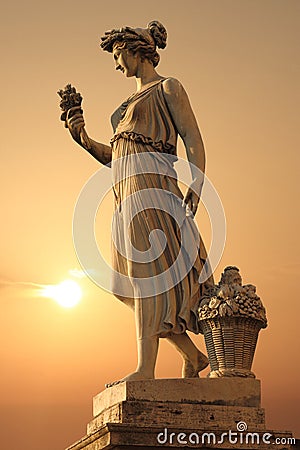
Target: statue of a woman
[[148, 123]]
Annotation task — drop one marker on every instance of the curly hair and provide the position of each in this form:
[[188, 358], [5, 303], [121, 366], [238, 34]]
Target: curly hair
[[138, 40]]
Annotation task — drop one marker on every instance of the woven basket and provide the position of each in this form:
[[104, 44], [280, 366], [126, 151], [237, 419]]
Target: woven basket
[[230, 344]]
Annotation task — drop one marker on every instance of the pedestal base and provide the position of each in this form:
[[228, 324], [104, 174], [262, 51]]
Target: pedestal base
[[222, 413]]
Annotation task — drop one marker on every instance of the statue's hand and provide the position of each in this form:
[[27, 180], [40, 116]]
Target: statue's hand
[[192, 197], [75, 123]]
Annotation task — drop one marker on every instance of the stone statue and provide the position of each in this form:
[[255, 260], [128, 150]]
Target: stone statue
[[143, 147]]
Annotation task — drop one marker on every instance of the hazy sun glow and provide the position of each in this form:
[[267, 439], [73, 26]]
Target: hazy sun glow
[[67, 293]]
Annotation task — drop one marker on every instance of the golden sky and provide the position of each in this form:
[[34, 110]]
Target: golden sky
[[239, 62]]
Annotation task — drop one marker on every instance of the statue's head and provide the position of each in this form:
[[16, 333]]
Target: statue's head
[[137, 41]]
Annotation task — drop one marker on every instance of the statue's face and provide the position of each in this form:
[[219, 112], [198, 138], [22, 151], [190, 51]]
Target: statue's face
[[125, 61]]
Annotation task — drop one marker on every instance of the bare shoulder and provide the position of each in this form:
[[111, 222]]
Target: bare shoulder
[[179, 106], [172, 86]]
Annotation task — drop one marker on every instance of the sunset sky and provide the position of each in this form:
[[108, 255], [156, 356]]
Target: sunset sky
[[239, 61]]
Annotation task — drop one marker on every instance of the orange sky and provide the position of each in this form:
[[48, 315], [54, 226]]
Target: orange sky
[[239, 62]]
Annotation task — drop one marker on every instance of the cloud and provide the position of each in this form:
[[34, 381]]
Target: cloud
[[77, 273], [6, 284]]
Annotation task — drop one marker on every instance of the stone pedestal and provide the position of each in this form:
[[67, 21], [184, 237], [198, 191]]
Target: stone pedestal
[[222, 413]]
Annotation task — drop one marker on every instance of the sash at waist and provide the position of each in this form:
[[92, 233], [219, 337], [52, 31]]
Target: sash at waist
[[160, 146]]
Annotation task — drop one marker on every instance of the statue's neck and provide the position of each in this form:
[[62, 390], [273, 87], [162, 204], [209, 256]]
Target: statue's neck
[[146, 74]]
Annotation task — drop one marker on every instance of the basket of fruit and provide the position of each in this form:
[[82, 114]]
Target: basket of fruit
[[230, 319]]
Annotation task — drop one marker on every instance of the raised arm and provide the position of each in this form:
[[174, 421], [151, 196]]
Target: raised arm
[[76, 125], [187, 127]]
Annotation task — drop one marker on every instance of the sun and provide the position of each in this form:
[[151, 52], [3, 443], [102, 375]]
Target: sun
[[67, 293]]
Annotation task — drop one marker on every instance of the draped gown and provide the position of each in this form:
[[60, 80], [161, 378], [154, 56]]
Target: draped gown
[[155, 272]]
